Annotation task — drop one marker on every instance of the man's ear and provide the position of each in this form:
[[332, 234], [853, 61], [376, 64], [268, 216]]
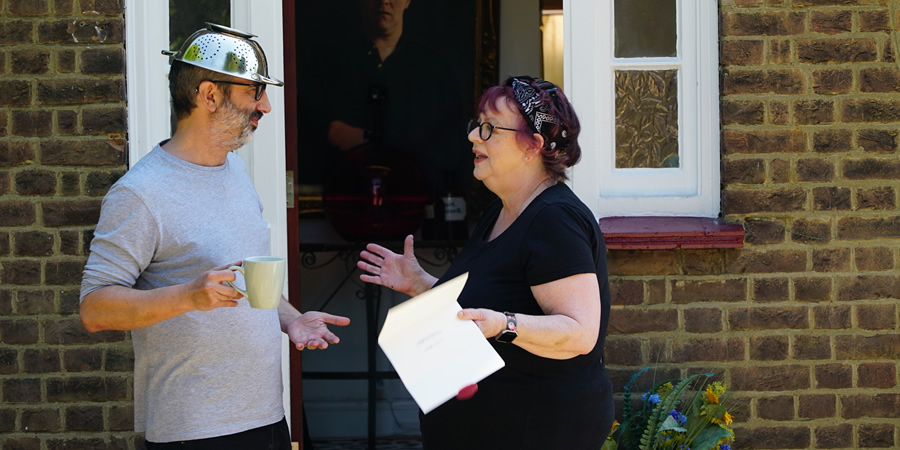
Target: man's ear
[[208, 96]]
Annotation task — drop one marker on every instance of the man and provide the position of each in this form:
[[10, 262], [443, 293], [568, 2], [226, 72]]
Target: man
[[207, 365], [382, 24], [395, 91]]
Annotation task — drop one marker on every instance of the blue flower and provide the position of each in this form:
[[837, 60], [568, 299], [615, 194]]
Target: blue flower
[[680, 418], [653, 399], [724, 447]]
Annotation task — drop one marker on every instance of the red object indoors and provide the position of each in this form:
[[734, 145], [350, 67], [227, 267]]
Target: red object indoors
[[375, 195]]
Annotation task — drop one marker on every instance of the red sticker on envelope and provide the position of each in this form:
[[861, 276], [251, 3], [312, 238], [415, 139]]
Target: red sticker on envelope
[[467, 392]]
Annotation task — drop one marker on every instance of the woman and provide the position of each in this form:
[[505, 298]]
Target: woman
[[537, 286]]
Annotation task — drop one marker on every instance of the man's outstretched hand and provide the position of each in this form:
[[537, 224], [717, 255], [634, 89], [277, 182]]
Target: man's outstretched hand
[[310, 330]]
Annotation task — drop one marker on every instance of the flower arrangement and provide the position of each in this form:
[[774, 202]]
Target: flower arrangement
[[672, 419]]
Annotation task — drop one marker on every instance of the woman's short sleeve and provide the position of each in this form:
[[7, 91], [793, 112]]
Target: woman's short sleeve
[[560, 243]]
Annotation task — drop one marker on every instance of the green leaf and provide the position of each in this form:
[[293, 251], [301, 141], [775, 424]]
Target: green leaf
[[609, 444], [671, 424], [715, 411], [666, 404]]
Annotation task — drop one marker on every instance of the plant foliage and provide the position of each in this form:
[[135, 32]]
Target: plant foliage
[[680, 414]]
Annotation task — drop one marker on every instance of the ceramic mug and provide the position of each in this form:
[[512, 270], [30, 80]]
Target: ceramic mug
[[264, 278]]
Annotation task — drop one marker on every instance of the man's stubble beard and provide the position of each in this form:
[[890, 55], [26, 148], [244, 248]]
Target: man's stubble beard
[[232, 126]]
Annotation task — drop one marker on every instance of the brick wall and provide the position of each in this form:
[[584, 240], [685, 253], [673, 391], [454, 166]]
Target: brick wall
[[62, 122], [803, 321]]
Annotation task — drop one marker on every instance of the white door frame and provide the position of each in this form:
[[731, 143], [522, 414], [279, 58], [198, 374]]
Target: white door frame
[[146, 35]]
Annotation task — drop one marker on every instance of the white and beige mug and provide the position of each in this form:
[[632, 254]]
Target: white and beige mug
[[264, 278]]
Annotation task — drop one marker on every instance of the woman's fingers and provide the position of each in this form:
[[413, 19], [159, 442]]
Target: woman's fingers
[[366, 267], [408, 249]]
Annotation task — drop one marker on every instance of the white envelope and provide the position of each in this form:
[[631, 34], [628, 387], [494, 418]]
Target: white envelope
[[435, 353]]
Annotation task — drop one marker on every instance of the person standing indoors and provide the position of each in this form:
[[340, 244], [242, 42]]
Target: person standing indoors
[[381, 94], [537, 286], [207, 371]]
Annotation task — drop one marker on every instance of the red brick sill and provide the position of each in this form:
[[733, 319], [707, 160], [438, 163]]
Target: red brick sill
[[660, 233]]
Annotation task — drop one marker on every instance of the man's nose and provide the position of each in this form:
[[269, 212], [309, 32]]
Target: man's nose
[[263, 104]]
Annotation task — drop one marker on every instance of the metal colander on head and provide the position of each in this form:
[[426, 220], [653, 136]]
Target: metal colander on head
[[225, 50]]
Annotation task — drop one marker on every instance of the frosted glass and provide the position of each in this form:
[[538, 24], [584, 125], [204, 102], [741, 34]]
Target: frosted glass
[[647, 119]]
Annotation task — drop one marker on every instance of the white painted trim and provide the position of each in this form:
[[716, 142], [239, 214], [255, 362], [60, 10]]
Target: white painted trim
[[692, 189], [146, 75], [265, 155], [582, 77]]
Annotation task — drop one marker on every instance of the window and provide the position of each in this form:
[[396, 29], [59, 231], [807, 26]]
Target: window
[[642, 75]]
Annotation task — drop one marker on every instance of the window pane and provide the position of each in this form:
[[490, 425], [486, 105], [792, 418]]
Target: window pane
[[188, 16], [647, 119], [645, 28]]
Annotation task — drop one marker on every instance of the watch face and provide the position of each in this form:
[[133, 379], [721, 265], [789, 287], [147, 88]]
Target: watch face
[[507, 336]]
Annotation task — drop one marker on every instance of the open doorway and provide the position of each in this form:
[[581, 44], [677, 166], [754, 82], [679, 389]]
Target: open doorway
[[448, 57], [507, 40]]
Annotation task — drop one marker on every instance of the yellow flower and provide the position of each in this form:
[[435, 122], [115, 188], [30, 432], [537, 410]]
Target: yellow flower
[[711, 396], [726, 418]]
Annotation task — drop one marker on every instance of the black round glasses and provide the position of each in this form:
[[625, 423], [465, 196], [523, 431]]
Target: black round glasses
[[485, 129], [260, 87]]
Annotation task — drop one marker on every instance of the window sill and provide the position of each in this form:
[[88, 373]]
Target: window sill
[[661, 233]]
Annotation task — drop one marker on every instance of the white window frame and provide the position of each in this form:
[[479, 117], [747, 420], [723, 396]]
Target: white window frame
[[147, 69], [693, 189]]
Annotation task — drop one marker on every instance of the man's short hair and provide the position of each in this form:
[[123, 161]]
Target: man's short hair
[[184, 79]]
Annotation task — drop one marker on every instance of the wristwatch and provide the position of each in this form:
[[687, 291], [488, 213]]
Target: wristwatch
[[509, 333]]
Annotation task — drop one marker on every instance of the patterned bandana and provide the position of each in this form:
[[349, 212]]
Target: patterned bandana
[[533, 110]]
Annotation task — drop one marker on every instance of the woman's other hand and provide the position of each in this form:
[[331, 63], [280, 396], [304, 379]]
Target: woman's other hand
[[490, 322], [401, 273], [569, 327]]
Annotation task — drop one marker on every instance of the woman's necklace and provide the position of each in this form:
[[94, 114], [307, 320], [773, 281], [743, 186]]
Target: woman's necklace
[[529, 198]]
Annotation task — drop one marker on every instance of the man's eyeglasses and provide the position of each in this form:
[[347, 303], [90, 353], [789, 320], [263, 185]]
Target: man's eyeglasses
[[260, 87], [485, 129]]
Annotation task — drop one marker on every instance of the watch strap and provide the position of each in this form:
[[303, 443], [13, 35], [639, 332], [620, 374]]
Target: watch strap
[[509, 333]]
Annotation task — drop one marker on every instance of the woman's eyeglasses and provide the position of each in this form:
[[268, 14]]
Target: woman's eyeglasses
[[485, 129], [260, 87]]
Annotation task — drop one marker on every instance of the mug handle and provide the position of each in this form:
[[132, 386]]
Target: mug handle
[[241, 270]]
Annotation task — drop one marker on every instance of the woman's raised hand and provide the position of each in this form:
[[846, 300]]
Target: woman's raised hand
[[401, 273]]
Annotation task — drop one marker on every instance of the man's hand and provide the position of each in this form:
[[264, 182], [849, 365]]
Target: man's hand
[[345, 136], [310, 330], [208, 291]]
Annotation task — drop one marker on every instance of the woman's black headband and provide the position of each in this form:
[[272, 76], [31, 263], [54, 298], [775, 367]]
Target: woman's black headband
[[528, 91]]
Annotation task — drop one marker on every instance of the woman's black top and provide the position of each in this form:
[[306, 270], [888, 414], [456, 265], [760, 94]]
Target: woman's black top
[[532, 402]]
